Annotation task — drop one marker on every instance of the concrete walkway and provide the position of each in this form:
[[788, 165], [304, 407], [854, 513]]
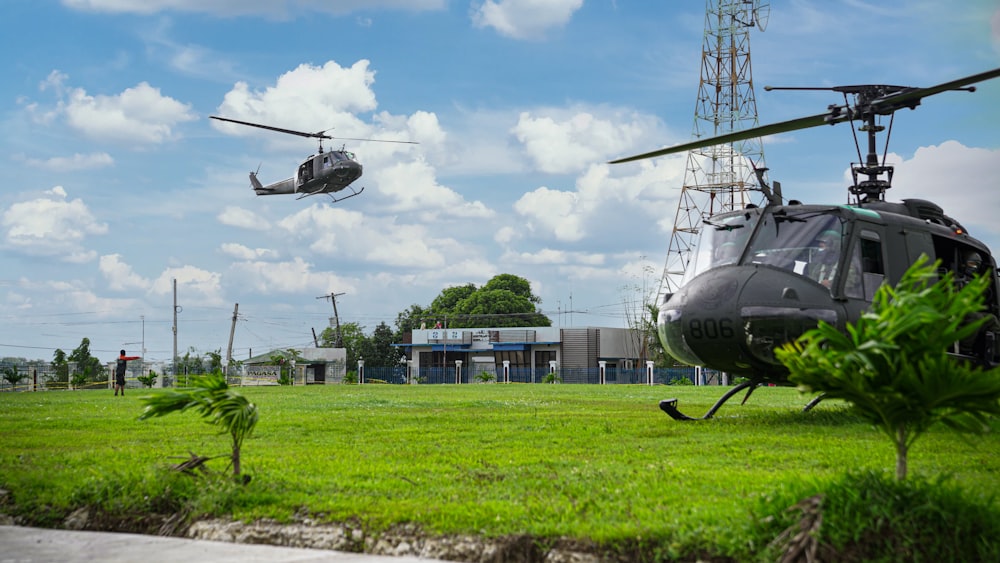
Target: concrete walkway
[[35, 545]]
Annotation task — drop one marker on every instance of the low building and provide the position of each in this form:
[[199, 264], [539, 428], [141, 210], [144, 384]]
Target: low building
[[527, 355], [317, 366]]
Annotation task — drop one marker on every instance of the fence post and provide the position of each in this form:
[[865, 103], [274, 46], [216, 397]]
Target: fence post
[[506, 371], [649, 372], [458, 371], [602, 366], [361, 371]]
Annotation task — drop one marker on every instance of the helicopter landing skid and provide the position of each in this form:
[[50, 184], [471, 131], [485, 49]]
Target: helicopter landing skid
[[335, 199], [353, 193], [669, 406]]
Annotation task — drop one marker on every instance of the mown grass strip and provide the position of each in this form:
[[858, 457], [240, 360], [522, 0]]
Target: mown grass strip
[[583, 461]]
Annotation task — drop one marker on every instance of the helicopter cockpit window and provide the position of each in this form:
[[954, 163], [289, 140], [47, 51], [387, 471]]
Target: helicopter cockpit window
[[808, 244], [721, 241]]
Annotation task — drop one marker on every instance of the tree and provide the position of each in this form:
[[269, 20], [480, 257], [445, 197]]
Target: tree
[[892, 365], [215, 360], [61, 366], [497, 307], [211, 396], [410, 320], [379, 351], [505, 300], [444, 304], [353, 336], [191, 363], [515, 284], [88, 368], [284, 359]]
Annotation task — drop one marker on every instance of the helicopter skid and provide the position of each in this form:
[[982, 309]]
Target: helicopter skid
[[332, 197], [669, 406]]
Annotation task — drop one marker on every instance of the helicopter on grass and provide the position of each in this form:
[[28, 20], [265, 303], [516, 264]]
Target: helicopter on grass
[[326, 172], [755, 278]]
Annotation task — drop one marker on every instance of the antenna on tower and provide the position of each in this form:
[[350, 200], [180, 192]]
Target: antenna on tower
[[720, 177]]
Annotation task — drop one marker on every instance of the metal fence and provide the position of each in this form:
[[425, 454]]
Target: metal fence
[[400, 375], [454, 375]]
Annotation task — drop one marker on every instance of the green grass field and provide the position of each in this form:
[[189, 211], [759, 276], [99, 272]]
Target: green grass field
[[600, 463]]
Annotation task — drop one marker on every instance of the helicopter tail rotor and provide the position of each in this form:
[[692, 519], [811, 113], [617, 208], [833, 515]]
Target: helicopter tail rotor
[[254, 182]]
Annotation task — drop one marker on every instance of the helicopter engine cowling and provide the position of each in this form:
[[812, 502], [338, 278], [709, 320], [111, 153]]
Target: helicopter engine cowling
[[731, 318]]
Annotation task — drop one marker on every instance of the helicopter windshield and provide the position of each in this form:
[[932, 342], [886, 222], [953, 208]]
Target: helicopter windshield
[[807, 243], [722, 241]]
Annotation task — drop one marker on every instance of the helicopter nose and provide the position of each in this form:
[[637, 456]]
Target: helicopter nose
[[732, 318], [700, 322]]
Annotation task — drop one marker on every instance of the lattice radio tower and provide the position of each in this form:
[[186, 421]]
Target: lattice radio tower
[[721, 177]]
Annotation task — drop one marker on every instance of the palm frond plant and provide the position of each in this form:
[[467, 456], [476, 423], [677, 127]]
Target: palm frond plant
[[212, 398]]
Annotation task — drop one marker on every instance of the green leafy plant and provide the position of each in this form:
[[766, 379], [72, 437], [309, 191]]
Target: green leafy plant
[[12, 376], [486, 377], [78, 379], [211, 397], [351, 377], [147, 380], [551, 377], [892, 365], [869, 516]]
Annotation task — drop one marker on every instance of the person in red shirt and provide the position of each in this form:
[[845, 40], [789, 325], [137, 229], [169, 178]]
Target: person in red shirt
[[120, 371]]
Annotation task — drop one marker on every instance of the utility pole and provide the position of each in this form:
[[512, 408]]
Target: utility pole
[[336, 318], [176, 310], [232, 330]]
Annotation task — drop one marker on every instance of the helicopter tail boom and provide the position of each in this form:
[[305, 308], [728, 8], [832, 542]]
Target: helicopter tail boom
[[282, 187]]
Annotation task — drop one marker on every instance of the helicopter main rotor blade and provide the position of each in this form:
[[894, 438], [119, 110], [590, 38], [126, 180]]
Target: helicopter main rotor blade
[[761, 131], [900, 98], [318, 135], [910, 98], [375, 140]]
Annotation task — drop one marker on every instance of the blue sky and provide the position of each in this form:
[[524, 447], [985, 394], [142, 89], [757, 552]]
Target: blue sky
[[117, 182]]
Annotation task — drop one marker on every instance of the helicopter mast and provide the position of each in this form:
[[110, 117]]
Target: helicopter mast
[[719, 177]]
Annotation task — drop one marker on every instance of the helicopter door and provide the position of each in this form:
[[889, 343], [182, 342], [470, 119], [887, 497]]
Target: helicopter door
[[867, 267], [305, 172]]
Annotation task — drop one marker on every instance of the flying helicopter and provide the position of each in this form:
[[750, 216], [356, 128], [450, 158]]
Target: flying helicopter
[[753, 280], [326, 172]]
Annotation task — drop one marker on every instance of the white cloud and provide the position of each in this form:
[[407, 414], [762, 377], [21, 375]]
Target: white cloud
[[602, 201], [412, 186], [243, 218], [296, 276], [524, 19], [229, 8], [120, 275], [335, 231], [963, 187], [567, 141], [71, 163], [140, 114], [241, 252], [299, 96], [51, 225], [194, 285]]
